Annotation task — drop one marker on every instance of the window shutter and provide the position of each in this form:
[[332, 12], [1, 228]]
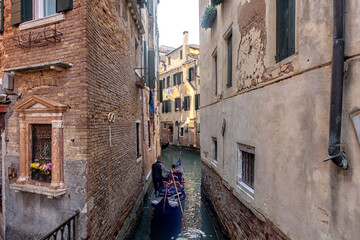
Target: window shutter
[[163, 107], [151, 70], [1, 16], [15, 12], [179, 77], [229, 72], [185, 103], [291, 27], [174, 79], [285, 29], [188, 103], [197, 103], [63, 5], [150, 7]]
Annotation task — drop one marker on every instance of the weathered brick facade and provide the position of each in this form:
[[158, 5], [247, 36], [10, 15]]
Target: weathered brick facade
[[104, 178]]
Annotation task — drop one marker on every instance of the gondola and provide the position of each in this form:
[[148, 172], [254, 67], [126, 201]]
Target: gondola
[[167, 199], [164, 145]]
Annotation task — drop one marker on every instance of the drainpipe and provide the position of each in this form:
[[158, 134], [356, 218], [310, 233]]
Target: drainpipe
[[335, 154]]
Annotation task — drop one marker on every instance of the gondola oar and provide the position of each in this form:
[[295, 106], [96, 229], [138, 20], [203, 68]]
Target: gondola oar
[[182, 212]]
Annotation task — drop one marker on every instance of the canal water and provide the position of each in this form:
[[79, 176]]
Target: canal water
[[154, 227]]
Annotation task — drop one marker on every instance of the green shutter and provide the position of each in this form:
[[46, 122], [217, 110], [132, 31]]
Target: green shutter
[[285, 29], [151, 70], [179, 76], [196, 101], [174, 79], [63, 5], [1, 16], [27, 11], [185, 103], [15, 12], [229, 67], [163, 107]]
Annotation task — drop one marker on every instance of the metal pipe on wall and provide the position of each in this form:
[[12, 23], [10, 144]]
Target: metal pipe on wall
[[337, 76]]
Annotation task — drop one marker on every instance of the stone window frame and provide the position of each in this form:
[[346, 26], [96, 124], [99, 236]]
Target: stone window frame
[[214, 150], [39, 110], [243, 186]]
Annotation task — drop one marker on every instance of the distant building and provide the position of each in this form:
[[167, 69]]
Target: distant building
[[79, 125], [269, 75], [180, 94]]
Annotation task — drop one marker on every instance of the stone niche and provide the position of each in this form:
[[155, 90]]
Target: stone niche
[[35, 111]]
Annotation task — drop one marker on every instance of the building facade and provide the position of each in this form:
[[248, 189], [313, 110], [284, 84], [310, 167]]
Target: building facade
[[180, 94], [80, 130], [265, 113]]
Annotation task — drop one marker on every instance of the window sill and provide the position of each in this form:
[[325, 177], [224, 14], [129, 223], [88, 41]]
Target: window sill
[[1, 36], [50, 193], [58, 17], [246, 189], [283, 62], [139, 159]]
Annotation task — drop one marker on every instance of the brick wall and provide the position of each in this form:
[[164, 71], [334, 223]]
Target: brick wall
[[115, 178], [239, 221]]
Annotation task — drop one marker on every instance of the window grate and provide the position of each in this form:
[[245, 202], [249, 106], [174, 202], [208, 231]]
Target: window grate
[[248, 162], [41, 151]]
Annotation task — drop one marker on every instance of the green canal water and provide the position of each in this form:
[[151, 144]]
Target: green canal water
[[154, 227]]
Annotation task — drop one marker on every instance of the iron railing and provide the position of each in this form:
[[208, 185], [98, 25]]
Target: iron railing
[[61, 230]]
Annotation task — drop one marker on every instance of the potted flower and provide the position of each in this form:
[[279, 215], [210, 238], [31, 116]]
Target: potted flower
[[216, 2], [209, 17], [41, 172]]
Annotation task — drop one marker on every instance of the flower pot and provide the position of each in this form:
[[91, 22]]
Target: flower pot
[[209, 17]]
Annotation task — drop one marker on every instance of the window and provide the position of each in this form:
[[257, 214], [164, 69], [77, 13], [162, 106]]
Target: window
[[285, 29], [43, 8], [164, 125], [181, 56], [168, 81], [246, 166], [181, 132], [22, 11], [41, 152], [187, 103], [169, 60], [198, 128], [138, 147], [41, 124], [149, 134], [214, 140], [163, 107], [166, 106], [197, 101], [191, 73], [1, 16], [177, 104], [216, 74], [229, 65]]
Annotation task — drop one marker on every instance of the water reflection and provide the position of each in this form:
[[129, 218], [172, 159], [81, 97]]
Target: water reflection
[[156, 227]]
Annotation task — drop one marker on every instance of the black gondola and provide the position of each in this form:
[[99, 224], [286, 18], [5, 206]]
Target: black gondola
[[167, 200]]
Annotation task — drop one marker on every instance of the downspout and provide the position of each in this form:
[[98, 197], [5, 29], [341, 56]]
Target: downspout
[[335, 154]]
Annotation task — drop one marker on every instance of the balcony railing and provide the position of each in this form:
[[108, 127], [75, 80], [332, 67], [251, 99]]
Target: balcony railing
[[65, 231]]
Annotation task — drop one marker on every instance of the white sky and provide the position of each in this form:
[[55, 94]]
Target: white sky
[[175, 17]]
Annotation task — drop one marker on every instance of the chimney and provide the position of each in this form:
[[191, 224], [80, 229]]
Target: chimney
[[186, 38]]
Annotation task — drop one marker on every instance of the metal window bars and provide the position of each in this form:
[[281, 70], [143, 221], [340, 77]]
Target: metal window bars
[[38, 38]]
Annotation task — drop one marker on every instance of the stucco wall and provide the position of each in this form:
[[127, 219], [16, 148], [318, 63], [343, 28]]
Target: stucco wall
[[282, 109]]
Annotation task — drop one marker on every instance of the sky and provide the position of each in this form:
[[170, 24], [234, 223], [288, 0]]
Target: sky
[[175, 17]]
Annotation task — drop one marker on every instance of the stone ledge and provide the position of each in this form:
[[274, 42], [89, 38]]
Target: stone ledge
[[56, 66], [58, 17], [38, 190]]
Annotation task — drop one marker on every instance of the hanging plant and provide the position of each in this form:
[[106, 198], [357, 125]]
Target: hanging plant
[[209, 17], [216, 2]]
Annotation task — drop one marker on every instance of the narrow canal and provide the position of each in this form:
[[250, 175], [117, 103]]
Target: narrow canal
[[155, 227]]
